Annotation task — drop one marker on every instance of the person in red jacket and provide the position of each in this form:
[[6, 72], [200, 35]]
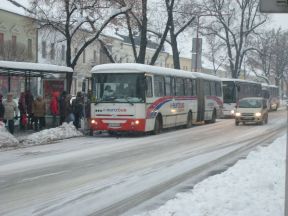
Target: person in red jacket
[[54, 108]]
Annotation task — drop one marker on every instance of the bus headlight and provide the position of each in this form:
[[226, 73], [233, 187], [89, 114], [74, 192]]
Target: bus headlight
[[232, 112], [258, 114], [136, 122], [238, 114], [93, 121]]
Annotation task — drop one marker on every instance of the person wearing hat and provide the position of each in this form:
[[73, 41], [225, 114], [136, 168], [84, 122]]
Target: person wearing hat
[[1, 108], [10, 112]]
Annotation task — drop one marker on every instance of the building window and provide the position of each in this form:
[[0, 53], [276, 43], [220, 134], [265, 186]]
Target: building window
[[52, 51], [29, 45], [63, 53], [44, 53], [94, 55], [1, 44], [14, 41], [75, 51]]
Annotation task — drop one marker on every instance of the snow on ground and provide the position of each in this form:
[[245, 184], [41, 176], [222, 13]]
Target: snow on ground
[[50, 135], [254, 186], [6, 139]]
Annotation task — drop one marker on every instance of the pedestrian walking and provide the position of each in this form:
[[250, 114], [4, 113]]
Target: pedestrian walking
[[69, 115], [2, 109], [39, 111], [78, 106], [23, 111], [54, 108], [10, 112], [62, 105]]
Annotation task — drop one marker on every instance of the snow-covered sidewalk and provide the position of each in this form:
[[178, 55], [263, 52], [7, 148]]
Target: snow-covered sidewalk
[[47, 136], [253, 186]]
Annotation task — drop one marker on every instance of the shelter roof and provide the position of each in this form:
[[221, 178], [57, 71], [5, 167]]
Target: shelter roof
[[34, 69]]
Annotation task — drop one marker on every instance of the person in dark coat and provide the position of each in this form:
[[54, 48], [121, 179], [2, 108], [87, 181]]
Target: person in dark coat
[[22, 110], [29, 102], [69, 115], [78, 106], [62, 105], [2, 109], [39, 111], [54, 108]]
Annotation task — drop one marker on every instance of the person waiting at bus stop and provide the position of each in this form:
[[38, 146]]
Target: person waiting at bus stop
[[1, 108], [10, 112], [39, 111]]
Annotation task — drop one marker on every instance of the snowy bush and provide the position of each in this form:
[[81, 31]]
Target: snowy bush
[[50, 135], [6, 139]]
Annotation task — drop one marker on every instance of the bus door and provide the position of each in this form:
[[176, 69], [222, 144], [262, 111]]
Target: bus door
[[201, 100]]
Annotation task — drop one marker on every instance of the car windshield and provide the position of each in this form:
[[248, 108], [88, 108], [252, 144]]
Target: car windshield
[[250, 103], [119, 88]]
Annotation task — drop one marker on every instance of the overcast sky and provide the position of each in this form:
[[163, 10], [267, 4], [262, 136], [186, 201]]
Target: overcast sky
[[280, 20]]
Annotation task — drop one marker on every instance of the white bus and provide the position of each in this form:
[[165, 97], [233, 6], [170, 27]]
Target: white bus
[[271, 93], [236, 89], [144, 98]]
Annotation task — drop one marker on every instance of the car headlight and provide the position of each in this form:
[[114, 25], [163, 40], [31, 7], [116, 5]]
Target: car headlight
[[237, 114], [258, 114]]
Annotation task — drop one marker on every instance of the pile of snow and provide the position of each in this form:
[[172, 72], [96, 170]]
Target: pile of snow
[[6, 139], [253, 187], [50, 135]]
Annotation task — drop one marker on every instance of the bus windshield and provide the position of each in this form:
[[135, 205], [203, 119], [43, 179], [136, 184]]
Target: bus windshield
[[229, 94], [119, 88]]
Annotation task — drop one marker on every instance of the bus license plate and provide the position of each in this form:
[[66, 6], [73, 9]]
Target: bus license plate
[[114, 125]]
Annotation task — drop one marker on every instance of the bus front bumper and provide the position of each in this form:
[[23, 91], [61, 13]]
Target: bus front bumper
[[98, 124]]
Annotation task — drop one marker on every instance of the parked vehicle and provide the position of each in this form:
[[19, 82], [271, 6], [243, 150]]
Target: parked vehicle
[[252, 109]]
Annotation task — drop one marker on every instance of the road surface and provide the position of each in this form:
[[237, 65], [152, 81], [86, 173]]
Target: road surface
[[105, 175]]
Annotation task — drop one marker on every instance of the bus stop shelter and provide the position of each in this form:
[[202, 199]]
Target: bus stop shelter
[[28, 70]]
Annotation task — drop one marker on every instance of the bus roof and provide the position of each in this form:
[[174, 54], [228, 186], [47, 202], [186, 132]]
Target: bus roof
[[239, 80], [139, 68], [206, 76], [268, 85]]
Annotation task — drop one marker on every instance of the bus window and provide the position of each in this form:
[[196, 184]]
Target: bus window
[[159, 86], [149, 86], [179, 86], [168, 86], [218, 89], [229, 93], [212, 88], [188, 87], [173, 91], [206, 88], [194, 85]]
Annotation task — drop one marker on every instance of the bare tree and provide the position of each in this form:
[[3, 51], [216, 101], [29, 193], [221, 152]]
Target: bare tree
[[78, 21], [234, 22], [215, 51], [271, 56]]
